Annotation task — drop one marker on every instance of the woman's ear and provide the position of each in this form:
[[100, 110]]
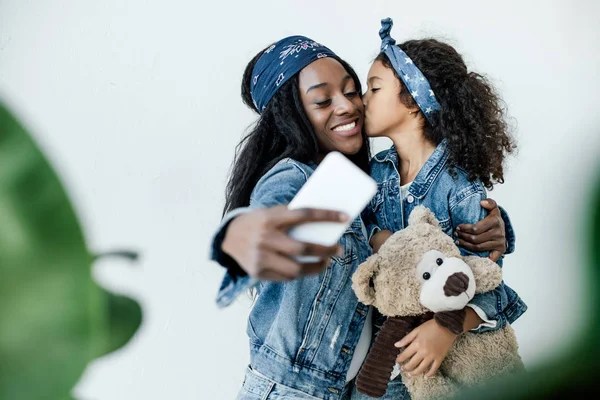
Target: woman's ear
[[362, 280]]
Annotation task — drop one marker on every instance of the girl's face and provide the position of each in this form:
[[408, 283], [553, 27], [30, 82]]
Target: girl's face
[[384, 112], [333, 106]]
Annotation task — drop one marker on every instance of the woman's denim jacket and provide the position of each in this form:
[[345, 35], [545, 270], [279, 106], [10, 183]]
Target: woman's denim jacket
[[303, 332]]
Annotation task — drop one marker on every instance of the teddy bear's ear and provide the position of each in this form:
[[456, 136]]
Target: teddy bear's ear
[[362, 280], [422, 215], [488, 274]]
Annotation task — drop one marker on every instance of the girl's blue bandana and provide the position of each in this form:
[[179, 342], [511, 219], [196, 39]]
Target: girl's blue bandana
[[412, 77], [279, 63]]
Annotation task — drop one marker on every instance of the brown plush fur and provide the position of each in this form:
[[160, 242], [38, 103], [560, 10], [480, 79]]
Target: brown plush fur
[[388, 281]]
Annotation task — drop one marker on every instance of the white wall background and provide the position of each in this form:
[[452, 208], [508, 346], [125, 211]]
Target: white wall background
[[137, 104]]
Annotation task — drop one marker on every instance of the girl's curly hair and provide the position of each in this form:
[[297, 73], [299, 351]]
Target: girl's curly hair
[[472, 118]]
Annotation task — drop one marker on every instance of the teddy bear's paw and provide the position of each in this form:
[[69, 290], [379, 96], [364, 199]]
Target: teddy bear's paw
[[435, 387]]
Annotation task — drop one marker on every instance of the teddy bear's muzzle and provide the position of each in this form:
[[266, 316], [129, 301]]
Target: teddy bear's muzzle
[[456, 284]]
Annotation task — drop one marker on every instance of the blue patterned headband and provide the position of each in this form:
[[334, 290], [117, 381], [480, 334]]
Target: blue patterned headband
[[279, 63], [412, 77]]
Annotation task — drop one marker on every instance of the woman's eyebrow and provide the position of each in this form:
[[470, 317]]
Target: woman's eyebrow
[[318, 85]]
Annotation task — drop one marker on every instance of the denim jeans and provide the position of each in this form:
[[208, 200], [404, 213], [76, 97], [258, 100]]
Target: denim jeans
[[258, 387]]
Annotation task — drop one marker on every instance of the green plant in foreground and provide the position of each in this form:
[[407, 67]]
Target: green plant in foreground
[[54, 318]]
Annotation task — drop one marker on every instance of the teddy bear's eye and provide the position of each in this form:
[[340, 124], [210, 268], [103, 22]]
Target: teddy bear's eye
[[439, 261], [426, 276]]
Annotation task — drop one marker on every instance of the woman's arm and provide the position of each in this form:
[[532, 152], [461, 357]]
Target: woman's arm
[[487, 234], [258, 242], [253, 243]]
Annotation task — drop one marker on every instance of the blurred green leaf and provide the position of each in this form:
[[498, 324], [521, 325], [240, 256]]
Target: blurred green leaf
[[53, 318]]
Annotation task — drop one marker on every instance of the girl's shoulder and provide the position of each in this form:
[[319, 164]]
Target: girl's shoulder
[[455, 182]]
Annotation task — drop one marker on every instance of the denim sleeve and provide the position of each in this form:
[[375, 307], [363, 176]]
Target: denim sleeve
[[216, 253], [509, 231], [468, 210], [276, 187]]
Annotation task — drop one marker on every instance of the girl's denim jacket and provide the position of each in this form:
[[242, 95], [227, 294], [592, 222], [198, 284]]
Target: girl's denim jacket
[[454, 200]]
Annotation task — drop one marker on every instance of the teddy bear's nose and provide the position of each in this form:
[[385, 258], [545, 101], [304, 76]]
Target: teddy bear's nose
[[456, 284]]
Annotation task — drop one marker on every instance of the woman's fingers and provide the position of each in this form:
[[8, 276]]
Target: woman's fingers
[[282, 217], [283, 244], [273, 266]]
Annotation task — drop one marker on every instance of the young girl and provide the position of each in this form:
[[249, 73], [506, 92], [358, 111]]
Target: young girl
[[450, 140], [308, 333]]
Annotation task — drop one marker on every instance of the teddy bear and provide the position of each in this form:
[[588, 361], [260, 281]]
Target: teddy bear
[[419, 274]]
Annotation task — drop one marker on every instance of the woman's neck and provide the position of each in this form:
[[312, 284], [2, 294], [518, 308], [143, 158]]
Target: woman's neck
[[413, 152]]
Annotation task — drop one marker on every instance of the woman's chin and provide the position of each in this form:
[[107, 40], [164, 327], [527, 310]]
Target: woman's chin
[[351, 149]]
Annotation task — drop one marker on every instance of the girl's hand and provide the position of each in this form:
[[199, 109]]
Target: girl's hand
[[426, 347], [429, 344]]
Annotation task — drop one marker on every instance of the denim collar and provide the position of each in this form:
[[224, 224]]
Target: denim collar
[[427, 175]]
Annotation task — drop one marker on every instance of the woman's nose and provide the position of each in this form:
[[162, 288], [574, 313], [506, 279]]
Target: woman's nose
[[345, 106]]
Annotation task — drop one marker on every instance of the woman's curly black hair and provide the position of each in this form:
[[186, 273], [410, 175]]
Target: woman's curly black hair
[[472, 117]]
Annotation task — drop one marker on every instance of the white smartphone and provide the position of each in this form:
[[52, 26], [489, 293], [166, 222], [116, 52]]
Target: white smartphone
[[337, 184]]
